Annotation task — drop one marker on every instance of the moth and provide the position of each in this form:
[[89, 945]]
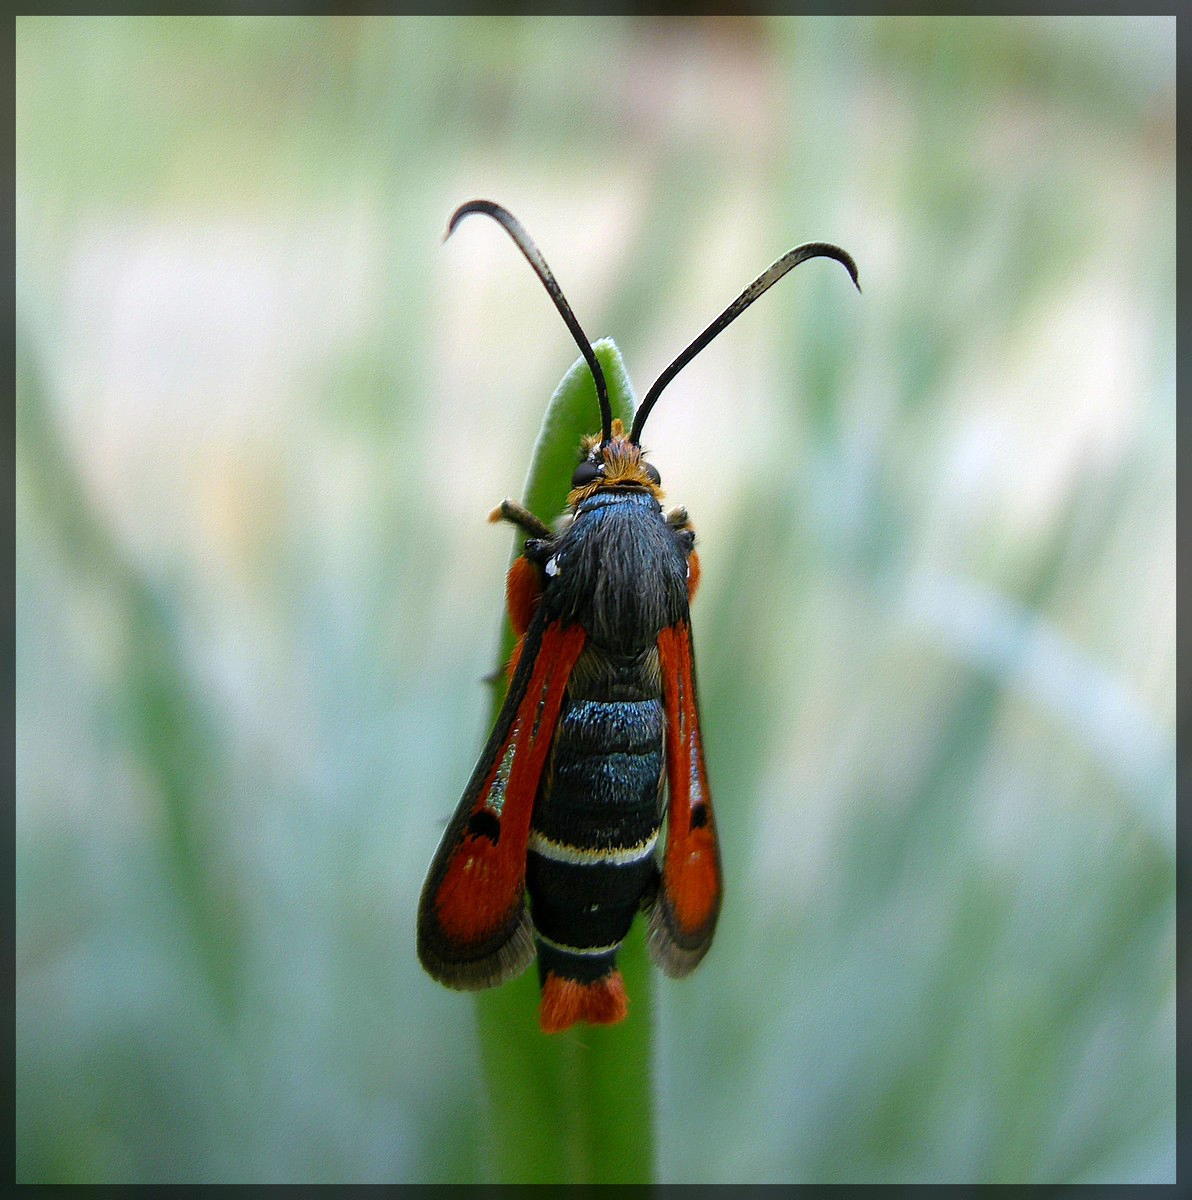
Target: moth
[[555, 845]]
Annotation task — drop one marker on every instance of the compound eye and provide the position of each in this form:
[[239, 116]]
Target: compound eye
[[652, 472], [587, 472]]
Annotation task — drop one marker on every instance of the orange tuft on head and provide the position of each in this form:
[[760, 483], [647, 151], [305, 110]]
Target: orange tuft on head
[[623, 465], [566, 1001]]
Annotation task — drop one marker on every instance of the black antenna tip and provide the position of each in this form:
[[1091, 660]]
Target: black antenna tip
[[828, 250], [471, 206]]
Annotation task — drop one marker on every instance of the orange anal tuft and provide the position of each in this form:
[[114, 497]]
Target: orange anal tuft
[[567, 1001], [692, 575]]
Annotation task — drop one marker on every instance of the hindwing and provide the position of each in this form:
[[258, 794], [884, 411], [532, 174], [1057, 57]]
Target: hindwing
[[683, 912]]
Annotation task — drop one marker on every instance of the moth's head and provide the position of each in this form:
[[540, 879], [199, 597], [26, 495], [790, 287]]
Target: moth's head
[[614, 465]]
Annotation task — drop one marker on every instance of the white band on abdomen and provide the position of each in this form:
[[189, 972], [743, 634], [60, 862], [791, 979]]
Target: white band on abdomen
[[615, 856]]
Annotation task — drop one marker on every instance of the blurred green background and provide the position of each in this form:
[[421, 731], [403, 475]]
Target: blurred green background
[[263, 413]]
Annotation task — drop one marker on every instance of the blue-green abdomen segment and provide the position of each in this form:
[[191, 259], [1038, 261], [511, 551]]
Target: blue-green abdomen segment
[[595, 825]]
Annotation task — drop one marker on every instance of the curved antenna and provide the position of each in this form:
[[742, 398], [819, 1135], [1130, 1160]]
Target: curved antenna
[[761, 284], [534, 257]]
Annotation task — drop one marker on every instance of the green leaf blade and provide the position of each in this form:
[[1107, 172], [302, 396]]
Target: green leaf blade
[[574, 1107]]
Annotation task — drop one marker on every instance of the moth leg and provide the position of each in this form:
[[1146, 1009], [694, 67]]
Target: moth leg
[[677, 518], [517, 514]]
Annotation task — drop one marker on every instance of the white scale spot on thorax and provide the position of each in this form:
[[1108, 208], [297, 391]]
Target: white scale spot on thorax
[[552, 565]]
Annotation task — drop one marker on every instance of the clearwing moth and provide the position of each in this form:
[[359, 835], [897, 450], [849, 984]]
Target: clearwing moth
[[554, 846]]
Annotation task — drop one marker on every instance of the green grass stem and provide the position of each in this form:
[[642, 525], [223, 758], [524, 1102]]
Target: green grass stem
[[575, 1107]]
